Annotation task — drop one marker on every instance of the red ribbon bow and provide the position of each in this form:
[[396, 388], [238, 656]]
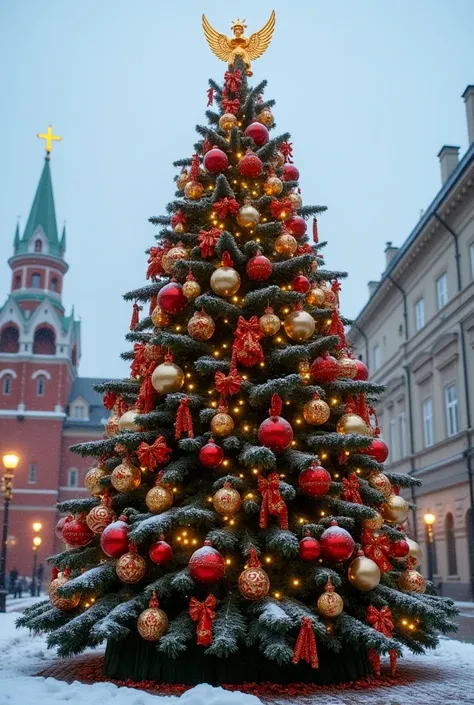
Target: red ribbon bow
[[377, 548], [228, 385], [286, 148], [153, 455], [184, 420], [272, 502], [350, 486], [230, 106], [233, 80], [204, 614], [194, 170], [381, 620], [305, 647], [135, 316], [155, 267], [146, 395], [207, 241], [226, 205], [304, 249], [278, 208], [139, 360], [210, 96], [246, 348], [178, 218], [109, 400], [337, 328]]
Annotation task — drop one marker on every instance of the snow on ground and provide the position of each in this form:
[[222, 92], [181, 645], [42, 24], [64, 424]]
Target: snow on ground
[[445, 675]]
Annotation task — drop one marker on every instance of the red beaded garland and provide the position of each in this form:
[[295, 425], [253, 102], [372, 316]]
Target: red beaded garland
[[290, 173], [325, 368], [114, 538], [211, 455], [301, 284], [296, 225], [310, 549], [259, 268], [258, 133], [215, 160], [336, 544], [76, 532], [171, 298], [206, 565], [315, 480], [250, 165]]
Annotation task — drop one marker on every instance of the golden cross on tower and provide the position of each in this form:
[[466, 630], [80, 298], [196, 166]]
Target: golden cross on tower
[[49, 137]]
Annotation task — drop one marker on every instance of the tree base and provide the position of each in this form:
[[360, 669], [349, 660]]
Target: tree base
[[138, 660]]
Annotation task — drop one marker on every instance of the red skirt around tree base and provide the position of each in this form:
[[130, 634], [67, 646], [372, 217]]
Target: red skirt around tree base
[[137, 660]]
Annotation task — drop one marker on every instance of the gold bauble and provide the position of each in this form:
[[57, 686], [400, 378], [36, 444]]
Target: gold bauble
[[330, 299], [179, 228], [227, 121], [363, 573], [248, 216], [278, 160], [412, 581], [381, 483], [131, 567], [373, 524], [159, 318], [265, 117], [201, 326], [167, 378], [152, 624], [222, 424], [62, 603], [225, 281], [296, 200], [193, 190], [330, 604], [159, 499], [112, 425], [415, 552], [126, 477], [347, 367], [254, 583], [92, 478], [299, 326], [191, 289], [182, 180], [269, 323], [286, 244], [153, 353], [227, 500], [395, 510], [351, 423], [99, 517], [172, 256], [128, 421], [273, 186], [316, 411]]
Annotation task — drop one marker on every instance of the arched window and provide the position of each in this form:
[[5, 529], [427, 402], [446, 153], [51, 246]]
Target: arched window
[[17, 281], [9, 342], [7, 385], [54, 284], [36, 280], [40, 386], [451, 545], [72, 477], [44, 342], [38, 246]]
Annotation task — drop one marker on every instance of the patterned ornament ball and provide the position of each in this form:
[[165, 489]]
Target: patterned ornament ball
[[301, 284], [153, 353], [152, 623], [351, 423], [337, 544], [159, 498], [309, 549], [222, 424], [258, 132], [364, 573], [381, 483], [171, 298], [269, 323], [378, 450], [296, 225], [400, 549], [347, 368], [315, 297], [285, 244], [191, 289], [193, 190], [167, 378], [227, 121], [227, 500], [76, 533], [259, 268], [325, 369], [395, 510], [412, 581], [362, 371], [211, 455], [374, 523], [330, 299], [175, 254], [215, 161], [206, 565], [60, 526], [315, 481], [159, 318], [253, 583], [128, 421], [126, 477], [93, 478], [296, 200], [248, 216], [201, 326], [299, 326], [275, 433], [414, 552], [316, 412], [290, 173], [330, 603], [62, 603], [250, 165], [112, 425], [114, 538], [101, 516], [160, 552], [131, 567], [277, 160], [273, 186], [265, 116], [182, 180], [225, 281]]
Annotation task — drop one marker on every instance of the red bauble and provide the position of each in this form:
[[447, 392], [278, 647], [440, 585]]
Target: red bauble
[[114, 538], [296, 225], [325, 368], [275, 433], [171, 298], [76, 532], [336, 544], [215, 160], [258, 133], [400, 549], [315, 480], [301, 284], [211, 455], [206, 565], [378, 450], [250, 165], [60, 526], [290, 173], [160, 552], [362, 371], [259, 268], [310, 549]]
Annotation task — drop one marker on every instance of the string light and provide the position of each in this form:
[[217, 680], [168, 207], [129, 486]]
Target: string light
[[277, 595], [246, 428], [255, 471], [296, 582], [188, 375], [228, 561], [268, 559]]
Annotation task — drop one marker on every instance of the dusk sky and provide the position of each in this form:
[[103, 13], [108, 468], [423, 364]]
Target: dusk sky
[[369, 89]]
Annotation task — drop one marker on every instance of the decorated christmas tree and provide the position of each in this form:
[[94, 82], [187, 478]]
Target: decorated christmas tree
[[241, 526]]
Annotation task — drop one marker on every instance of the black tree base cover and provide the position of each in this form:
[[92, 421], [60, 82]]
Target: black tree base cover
[[137, 660]]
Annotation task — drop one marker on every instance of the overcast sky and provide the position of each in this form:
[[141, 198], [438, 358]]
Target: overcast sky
[[369, 89]]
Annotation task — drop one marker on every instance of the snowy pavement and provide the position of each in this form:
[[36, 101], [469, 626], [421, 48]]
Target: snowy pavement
[[445, 675]]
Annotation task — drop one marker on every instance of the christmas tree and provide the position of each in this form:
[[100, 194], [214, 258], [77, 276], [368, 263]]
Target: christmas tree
[[241, 526]]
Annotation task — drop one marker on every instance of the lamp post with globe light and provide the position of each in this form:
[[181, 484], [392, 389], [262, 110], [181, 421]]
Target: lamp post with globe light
[[36, 544], [429, 520], [10, 462]]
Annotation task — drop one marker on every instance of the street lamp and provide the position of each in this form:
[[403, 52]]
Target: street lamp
[[10, 462], [429, 519], [37, 526]]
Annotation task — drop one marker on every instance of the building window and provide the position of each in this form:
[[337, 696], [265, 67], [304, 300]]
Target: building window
[[38, 246], [393, 440], [419, 314], [452, 416], [32, 474], [377, 357], [72, 478], [451, 545], [44, 342], [79, 411], [9, 339], [36, 280], [402, 430], [40, 386], [7, 385], [17, 282], [442, 291], [431, 548], [471, 253], [54, 284], [428, 422]]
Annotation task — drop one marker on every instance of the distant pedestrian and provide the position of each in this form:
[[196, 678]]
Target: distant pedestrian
[[39, 578], [12, 580], [18, 587]]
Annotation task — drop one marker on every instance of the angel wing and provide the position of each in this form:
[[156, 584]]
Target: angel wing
[[259, 41], [218, 43]]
